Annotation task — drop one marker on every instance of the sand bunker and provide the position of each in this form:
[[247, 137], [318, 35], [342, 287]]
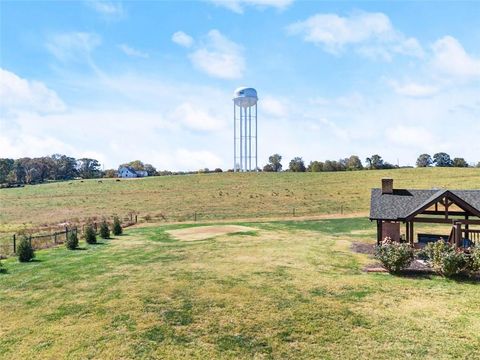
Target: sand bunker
[[207, 232]]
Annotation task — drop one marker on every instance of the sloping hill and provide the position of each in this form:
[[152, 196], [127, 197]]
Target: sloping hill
[[214, 196]]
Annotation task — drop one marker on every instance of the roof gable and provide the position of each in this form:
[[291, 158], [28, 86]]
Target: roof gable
[[405, 203]]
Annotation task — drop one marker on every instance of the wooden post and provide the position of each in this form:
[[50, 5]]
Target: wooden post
[[412, 237], [407, 231], [136, 218], [195, 216], [66, 233], [341, 210], [379, 232], [54, 238], [467, 227], [14, 243], [293, 211], [458, 235]]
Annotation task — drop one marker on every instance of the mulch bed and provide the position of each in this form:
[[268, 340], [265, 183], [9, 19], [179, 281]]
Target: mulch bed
[[417, 267]]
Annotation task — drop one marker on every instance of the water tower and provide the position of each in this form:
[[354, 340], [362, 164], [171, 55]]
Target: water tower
[[244, 111]]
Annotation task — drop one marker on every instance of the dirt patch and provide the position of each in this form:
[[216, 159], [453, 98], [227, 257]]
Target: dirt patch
[[207, 232], [363, 248]]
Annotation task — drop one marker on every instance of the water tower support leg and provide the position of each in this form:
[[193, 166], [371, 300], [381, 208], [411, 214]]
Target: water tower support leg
[[240, 142], [256, 140], [234, 139], [250, 139]]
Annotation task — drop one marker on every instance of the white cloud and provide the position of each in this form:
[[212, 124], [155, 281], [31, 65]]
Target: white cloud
[[107, 8], [274, 106], [238, 6], [73, 46], [195, 118], [182, 39], [371, 34], [412, 136], [132, 52], [451, 59], [414, 89], [219, 57], [17, 94]]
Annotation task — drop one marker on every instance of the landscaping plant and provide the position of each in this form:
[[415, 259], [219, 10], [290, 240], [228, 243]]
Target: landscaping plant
[[117, 227], [25, 250], [104, 230], [445, 259], [72, 240], [473, 261], [394, 256], [90, 235]]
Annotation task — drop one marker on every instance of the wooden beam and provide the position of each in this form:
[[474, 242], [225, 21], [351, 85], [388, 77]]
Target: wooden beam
[[444, 221], [453, 213]]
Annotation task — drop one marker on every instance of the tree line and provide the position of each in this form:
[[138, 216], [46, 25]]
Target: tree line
[[352, 163], [56, 167], [62, 167]]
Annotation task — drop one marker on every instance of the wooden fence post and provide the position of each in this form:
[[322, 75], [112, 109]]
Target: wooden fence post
[[136, 218], [293, 212], [55, 238], [14, 243], [195, 216], [66, 233]]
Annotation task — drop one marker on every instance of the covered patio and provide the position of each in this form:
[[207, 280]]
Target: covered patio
[[391, 208]]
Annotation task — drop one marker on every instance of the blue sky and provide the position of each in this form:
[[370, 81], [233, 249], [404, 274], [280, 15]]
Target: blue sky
[[120, 81]]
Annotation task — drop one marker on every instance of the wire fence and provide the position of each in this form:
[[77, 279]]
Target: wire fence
[[53, 235]]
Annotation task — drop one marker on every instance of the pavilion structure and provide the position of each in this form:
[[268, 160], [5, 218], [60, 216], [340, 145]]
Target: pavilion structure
[[391, 208]]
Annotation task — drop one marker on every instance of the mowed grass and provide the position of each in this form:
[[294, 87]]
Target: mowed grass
[[214, 196], [289, 290]]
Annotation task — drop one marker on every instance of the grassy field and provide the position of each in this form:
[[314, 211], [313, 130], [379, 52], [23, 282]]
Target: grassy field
[[213, 196], [290, 290]]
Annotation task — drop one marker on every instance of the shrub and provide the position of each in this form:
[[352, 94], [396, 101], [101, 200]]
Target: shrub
[[104, 230], [90, 236], [25, 250], [394, 256], [445, 259], [473, 261], [72, 240], [117, 227], [2, 269]]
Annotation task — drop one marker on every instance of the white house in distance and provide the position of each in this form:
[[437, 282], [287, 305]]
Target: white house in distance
[[128, 172]]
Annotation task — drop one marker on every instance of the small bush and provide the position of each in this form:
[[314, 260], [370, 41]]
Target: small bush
[[2, 269], [104, 230], [394, 256], [72, 240], [25, 250], [473, 261], [90, 236], [117, 227], [445, 259]]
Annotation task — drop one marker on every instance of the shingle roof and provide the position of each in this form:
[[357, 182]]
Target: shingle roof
[[403, 202]]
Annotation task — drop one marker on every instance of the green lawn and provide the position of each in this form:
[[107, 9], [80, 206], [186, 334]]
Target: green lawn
[[214, 196], [287, 290]]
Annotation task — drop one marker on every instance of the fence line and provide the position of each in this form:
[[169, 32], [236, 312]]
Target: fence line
[[42, 241]]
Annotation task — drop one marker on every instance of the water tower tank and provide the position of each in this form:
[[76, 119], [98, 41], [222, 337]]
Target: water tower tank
[[245, 97]]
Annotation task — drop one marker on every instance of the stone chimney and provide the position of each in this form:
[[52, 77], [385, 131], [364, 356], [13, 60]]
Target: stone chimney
[[387, 186]]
